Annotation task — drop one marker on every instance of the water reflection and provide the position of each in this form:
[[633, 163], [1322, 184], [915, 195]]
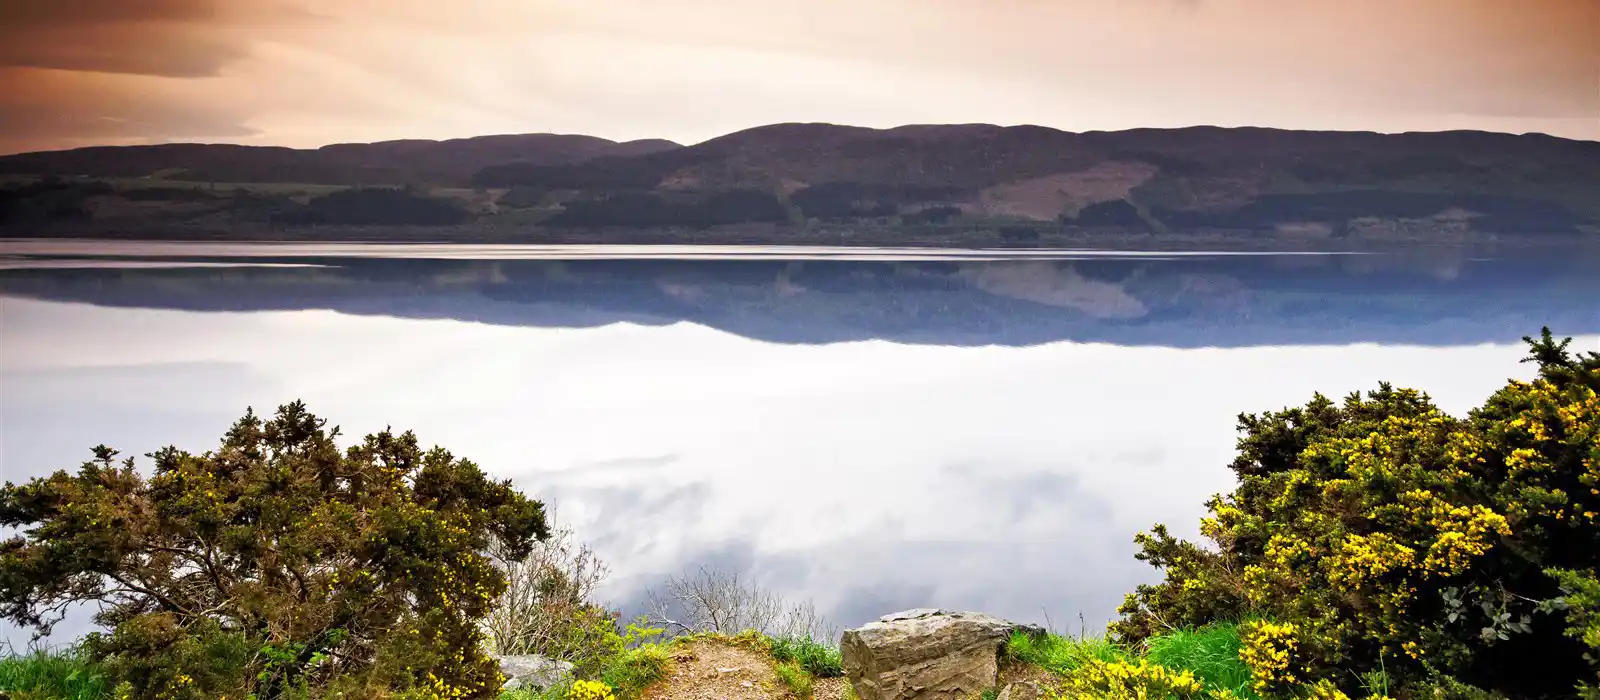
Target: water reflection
[[873, 435], [1433, 297]]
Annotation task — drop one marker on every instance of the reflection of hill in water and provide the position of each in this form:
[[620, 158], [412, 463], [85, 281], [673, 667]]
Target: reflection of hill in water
[[1434, 299]]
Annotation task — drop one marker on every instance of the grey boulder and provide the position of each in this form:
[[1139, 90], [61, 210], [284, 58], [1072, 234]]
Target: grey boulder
[[926, 654], [533, 671]]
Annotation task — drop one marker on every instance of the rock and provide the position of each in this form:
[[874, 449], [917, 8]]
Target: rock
[[926, 654], [1025, 690], [533, 671]]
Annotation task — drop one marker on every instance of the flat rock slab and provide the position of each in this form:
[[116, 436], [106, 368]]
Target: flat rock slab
[[926, 654]]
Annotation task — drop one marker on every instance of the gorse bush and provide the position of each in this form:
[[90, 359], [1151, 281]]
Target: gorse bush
[[1128, 680], [589, 690], [1379, 534], [273, 566]]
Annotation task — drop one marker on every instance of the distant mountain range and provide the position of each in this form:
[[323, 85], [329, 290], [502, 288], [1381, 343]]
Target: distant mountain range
[[1021, 184], [451, 162]]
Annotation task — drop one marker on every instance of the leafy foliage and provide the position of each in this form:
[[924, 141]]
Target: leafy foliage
[[1128, 680], [1382, 535], [273, 564], [589, 690], [69, 675]]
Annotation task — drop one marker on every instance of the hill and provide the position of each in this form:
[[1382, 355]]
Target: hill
[[450, 162], [1021, 184]]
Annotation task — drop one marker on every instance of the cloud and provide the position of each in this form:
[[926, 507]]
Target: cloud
[[48, 109], [172, 38], [291, 72]]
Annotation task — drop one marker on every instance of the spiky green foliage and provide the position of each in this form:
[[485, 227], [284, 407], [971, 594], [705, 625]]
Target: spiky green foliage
[[272, 565], [67, 675], [1058, 654], [1211, 653], [796, 679], [818, 659], [633, 670]]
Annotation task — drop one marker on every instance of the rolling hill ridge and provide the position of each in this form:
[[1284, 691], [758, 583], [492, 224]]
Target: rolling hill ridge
[[1020, 183]]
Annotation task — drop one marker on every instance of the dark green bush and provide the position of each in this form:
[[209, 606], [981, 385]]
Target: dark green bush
[[274, 564]]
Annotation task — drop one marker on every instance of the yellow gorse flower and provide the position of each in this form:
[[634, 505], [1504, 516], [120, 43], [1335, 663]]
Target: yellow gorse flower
[[590, 690]]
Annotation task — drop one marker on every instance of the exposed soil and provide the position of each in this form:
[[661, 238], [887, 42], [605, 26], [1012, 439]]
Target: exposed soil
[[718, 670]]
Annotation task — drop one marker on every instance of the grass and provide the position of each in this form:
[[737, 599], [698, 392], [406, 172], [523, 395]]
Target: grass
[[45, 675], [1061, 655], [1211, 653], [556, 692], [635, 669], [818, 659], [795, 678]]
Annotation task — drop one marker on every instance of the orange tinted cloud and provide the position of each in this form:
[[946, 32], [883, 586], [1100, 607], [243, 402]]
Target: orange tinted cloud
[[300, 73]]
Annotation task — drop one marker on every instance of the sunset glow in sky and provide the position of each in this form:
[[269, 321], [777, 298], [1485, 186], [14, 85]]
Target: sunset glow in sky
[[307, 73]]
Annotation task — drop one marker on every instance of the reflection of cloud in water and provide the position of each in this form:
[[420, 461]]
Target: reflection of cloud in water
[[866, 475], [1054, 285]]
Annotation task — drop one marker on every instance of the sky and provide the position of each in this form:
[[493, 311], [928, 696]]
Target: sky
[[303, 74]]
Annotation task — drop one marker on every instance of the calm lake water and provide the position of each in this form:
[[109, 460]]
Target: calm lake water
[[874, 430]]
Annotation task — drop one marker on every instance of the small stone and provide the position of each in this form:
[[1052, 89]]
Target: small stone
[[747, 684], [1025, 690], [728, 670]]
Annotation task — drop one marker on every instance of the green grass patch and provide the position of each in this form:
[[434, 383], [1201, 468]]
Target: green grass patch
[[555, 692], [795, 678], [818, 659], [1211, 653], [635, 669], [53, 676], [1060, 655]]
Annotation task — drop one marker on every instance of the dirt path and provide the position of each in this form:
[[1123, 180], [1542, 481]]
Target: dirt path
[[716, 670]]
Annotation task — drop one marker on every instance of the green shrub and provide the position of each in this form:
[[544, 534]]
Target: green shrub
[[69, 675], [273, 565], [1382, 534], [795, 678], [818, 659], [633, 670]]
